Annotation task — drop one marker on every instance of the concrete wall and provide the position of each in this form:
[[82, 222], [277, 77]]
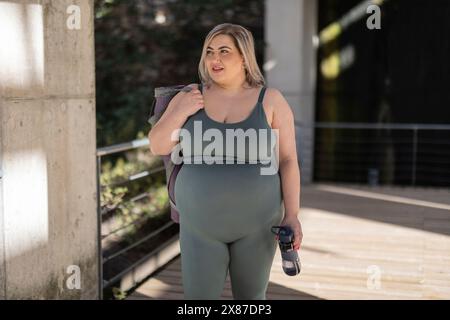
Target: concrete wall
[[291, 67], [47, 150]]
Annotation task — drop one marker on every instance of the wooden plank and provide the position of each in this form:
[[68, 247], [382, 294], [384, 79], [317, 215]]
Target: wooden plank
[[409, 244]]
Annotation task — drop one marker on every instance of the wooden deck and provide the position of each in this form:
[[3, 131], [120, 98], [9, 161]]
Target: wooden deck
[[359, 243]]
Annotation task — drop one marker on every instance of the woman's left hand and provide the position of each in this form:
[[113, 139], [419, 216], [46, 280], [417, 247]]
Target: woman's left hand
[[294, 223]]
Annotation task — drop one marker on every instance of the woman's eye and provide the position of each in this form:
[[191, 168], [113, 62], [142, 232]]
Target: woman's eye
[[210, 52]]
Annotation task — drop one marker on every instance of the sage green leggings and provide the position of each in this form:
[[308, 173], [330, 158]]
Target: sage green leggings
[[226, 214]]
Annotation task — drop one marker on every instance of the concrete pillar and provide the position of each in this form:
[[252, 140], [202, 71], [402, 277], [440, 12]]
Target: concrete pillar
[[48, 223], [291, 67]]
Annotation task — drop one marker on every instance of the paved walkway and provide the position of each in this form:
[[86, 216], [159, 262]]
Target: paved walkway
[[359, 243]]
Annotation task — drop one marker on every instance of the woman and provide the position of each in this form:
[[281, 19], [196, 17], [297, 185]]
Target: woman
[[227, 210]]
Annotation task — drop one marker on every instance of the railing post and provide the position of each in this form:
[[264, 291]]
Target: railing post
[[99, 231], [413, 179]]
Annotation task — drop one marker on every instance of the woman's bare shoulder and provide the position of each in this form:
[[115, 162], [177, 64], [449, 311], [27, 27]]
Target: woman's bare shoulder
[[277, 105], [273, 94], [274, 99]]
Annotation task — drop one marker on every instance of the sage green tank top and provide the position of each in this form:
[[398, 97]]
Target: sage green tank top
[[252, 140]]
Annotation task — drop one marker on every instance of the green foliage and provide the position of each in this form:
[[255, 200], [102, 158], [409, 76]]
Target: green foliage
[[117, 191], [135, 54], [118, 294]]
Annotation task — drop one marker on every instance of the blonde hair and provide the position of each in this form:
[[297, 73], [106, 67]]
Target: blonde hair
[[243, 40]]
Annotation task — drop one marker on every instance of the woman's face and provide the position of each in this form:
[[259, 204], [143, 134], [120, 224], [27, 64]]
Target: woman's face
[[223, 60]]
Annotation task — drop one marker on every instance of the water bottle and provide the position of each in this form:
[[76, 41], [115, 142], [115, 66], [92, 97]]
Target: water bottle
[[290, 261]]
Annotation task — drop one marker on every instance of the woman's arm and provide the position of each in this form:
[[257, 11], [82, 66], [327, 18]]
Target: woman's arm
[[283, 121], [160, 135], [179, 109]]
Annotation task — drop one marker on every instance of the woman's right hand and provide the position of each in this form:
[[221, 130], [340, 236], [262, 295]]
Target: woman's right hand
[[188, 103], [180, 107]]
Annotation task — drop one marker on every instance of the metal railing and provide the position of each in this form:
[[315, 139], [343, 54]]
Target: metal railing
[[106, 151], [355, 157], [408, 153]]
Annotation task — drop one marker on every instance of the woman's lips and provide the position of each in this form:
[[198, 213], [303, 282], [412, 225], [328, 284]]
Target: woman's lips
[[217, 71]]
